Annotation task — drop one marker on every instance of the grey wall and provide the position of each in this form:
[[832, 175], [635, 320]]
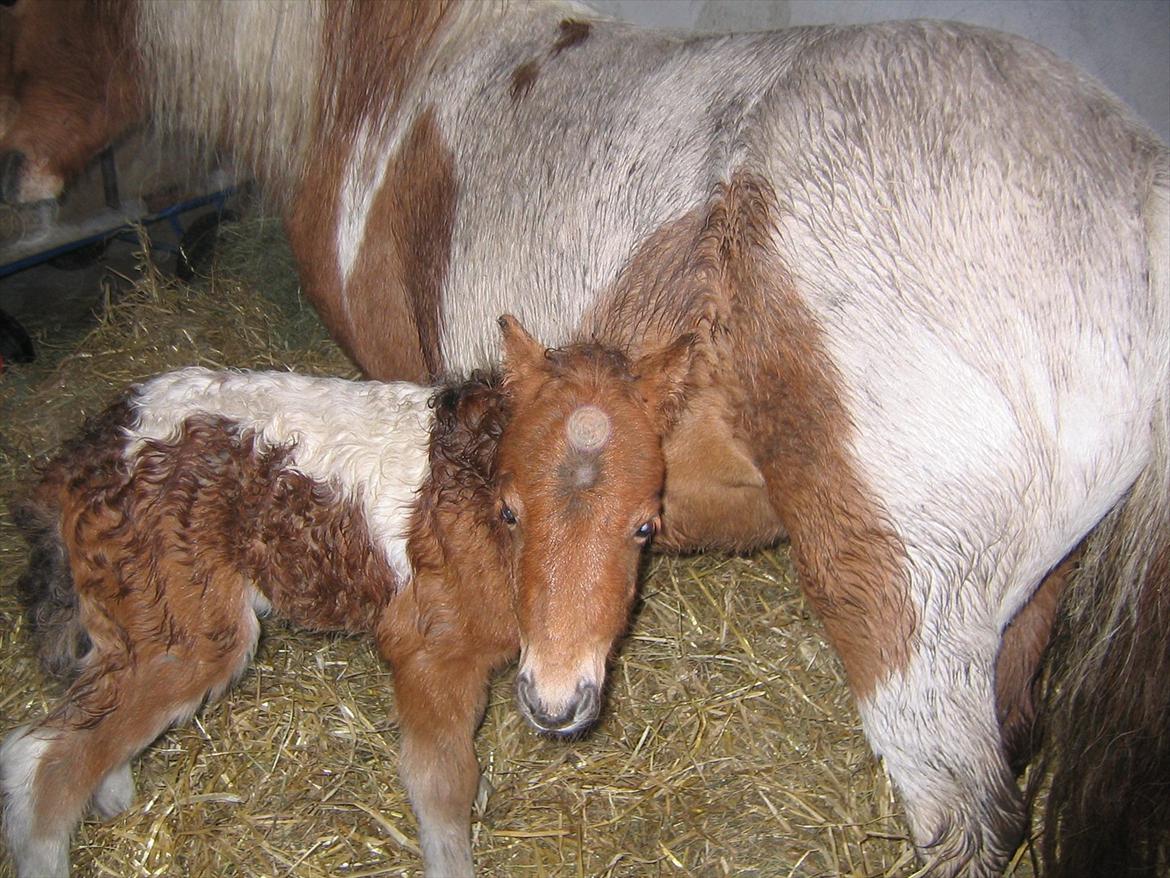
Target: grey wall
[[1124, 43]]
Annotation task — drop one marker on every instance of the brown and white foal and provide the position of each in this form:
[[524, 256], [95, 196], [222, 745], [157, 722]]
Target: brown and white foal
[[203, 500]]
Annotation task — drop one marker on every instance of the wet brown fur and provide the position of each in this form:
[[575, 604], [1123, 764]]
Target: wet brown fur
[[573, 32], [523, 78], [675, 282], [74, 81], [161, 549], [762, 447]]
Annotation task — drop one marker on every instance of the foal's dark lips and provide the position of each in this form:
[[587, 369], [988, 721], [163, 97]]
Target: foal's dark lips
[[568, 733], [574, 719]]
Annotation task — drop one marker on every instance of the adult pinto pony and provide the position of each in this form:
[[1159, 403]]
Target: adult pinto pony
[[928, 269]]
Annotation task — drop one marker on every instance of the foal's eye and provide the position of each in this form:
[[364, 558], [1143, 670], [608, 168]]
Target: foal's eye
[[644, 532], [508, 515]]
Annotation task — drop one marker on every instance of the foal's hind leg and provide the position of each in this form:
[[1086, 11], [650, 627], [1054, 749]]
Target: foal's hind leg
[[51, 770]]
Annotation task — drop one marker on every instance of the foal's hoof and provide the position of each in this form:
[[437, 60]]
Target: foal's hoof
[[115, 794]]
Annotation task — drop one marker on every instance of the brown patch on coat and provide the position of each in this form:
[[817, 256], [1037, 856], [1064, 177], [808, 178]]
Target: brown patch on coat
[[395, 290], [523, 78], [73, 78], [673, 283], [851, 562], [1017, 667], [372, 52], [573, 32], [144, 535], [386, 316], [774, 388]]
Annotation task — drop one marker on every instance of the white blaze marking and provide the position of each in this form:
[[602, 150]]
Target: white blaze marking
[[588, 428]]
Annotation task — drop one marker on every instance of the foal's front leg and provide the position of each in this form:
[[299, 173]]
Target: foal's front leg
[[441, 690]]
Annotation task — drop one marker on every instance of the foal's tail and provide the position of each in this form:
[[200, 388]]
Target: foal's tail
[[1108, 717], [46, 586]]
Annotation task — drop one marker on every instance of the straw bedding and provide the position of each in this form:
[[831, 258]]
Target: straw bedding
[[729, 744]]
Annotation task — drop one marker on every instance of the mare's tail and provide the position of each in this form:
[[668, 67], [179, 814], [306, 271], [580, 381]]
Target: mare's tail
[[1107, 717], [46, 587]]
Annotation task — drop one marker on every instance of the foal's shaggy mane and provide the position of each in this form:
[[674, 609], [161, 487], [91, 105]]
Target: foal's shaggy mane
[[470, 417]]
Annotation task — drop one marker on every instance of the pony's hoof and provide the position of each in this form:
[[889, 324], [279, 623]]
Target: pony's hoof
[[115, 794]]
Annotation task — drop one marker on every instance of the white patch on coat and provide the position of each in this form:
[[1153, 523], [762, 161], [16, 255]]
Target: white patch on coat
[[35, 852], [380, 135], [360, 184], [370, 439]]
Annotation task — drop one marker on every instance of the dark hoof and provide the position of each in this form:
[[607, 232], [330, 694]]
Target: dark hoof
[[15, 345], [197, 247]]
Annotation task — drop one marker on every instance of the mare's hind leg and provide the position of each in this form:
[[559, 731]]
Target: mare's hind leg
[[919, 644], [935, 725], [51, 770]]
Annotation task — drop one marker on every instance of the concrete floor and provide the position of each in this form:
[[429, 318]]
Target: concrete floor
[[55, 305], [58, 301]]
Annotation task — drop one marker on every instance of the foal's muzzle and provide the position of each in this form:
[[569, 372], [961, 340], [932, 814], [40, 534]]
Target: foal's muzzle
[[576, 715]]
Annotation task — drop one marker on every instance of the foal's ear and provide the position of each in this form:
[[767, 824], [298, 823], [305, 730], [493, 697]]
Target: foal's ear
[[523, 354], [662, 379]]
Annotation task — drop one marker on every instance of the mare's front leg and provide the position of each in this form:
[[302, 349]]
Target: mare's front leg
[[441, 685]]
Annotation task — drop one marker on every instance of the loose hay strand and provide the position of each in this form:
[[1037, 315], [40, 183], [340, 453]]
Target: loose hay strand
[[728, 746]]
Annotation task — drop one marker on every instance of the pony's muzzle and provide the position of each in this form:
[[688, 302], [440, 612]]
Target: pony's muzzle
[[23, 182], [574, 715]]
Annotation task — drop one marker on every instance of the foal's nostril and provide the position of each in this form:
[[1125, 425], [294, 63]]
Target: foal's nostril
[[588, 703]]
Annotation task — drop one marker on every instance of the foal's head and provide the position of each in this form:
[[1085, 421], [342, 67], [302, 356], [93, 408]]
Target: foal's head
[[581, 475]]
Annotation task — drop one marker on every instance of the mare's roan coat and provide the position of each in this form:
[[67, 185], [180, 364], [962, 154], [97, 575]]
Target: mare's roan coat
[[927, 264]]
